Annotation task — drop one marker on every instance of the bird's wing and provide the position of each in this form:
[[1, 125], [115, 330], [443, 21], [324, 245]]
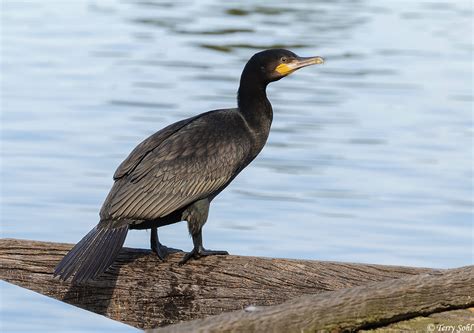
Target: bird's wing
[[146, 146], [192, 163]]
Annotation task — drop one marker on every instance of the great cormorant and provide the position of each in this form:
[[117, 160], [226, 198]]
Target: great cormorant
[[174, 174]]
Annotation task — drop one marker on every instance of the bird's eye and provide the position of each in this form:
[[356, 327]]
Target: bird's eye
[[284, 59]]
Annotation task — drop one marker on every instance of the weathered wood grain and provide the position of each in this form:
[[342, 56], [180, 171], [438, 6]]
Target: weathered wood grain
[[348, 310], [144, 292]]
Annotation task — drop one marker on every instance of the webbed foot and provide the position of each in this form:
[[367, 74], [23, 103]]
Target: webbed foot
[[199, 252], [161, 251]]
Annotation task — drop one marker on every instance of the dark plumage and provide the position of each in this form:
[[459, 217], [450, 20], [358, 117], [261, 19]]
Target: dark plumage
[[174, 174]]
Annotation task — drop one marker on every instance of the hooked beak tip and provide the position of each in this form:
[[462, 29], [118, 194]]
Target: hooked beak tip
[[318, 60]]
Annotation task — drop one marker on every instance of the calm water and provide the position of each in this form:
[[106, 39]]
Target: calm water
[[370, 157]]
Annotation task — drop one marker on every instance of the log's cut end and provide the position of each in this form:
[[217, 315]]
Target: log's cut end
[[142, 291]]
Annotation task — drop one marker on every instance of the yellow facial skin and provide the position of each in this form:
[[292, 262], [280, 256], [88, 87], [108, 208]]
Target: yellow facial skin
[[290, 67], [284, 69]]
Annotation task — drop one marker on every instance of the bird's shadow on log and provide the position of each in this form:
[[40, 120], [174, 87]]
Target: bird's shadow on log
[[96, 295]]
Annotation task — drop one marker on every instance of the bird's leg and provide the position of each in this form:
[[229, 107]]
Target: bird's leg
[[161, 251], [196, 215], [198, 250]]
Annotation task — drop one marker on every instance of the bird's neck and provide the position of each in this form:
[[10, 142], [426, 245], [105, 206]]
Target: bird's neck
[[255, 106]]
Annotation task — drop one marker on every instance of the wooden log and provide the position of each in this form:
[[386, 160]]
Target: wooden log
[[349, 310], [144, 292]]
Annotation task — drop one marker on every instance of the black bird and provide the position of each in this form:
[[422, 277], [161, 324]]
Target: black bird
[[174, 174]]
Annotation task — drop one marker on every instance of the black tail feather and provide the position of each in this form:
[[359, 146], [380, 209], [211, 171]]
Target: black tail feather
[[96, 249], [68, 265], [93, 254], [109, 257]]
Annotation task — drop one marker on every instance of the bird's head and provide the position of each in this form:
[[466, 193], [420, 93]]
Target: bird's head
[[273, 64]]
